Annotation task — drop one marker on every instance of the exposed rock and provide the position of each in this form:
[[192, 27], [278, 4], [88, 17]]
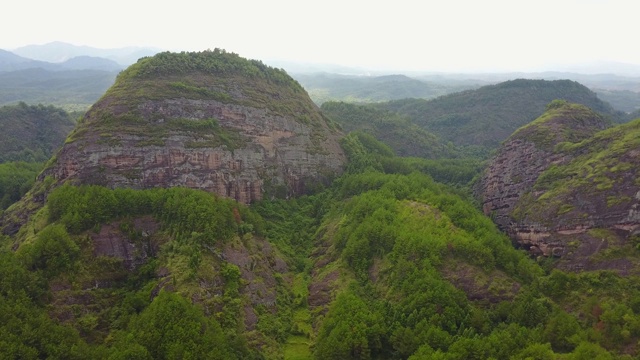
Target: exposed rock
[[112, 242], [259, 265], [480, 286], [556, 183], [229, 132]]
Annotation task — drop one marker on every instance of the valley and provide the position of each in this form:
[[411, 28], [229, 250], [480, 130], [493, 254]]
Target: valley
[[209, 206]]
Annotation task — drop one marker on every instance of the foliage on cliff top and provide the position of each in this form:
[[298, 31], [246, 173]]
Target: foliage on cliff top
[[192, 77], [562, 122], [216, 62], [488, 115], [603, 170], [206, 75]]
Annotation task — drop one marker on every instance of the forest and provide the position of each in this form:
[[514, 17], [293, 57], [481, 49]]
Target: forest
[[393, 258], [421, 273]]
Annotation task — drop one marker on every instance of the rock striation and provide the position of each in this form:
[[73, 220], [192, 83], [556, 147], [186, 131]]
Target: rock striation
[[565, 187], [208, 120]]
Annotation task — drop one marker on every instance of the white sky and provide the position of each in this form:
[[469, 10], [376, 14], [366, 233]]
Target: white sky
[[439, 35]]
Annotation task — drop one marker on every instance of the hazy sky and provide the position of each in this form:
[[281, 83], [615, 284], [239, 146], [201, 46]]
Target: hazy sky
[[442, 35]]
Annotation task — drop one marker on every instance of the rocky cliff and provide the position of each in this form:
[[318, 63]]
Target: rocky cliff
[[564, 187], [209, 120]]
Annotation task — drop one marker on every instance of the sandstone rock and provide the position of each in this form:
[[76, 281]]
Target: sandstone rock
[[231, 132], [542, 189]]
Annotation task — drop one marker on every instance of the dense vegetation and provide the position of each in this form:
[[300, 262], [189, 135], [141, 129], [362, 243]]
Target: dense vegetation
[[393, 260], [404, 137], [16, 178], [398, 132], [488, 115], [29, 135], [32, 132], [417, 272]]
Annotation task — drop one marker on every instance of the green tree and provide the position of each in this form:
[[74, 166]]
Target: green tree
[[172, 328], [350, 330], [52, 252]]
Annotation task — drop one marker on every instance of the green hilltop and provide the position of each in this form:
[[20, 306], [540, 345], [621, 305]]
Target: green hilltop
[[488, 115], [208, 75]]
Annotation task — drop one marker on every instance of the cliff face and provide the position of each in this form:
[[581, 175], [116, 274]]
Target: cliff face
[[563, 187], [210, 121]]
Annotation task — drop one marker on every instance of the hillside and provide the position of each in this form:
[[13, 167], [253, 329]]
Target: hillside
[[623, 100], [380, 265], [563, 187], [487, 116], [32, 132], [404, 137]]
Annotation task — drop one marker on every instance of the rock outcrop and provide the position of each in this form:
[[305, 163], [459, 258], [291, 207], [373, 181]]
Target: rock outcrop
[[564, 187], [208, 120]]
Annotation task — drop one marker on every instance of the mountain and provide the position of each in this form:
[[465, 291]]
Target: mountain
[[488, 115], [126, 247], [562, 186], [90, 63], [324, 87], [208, 120], [12, 62], [57, 52], [74, 84], [32, 133]]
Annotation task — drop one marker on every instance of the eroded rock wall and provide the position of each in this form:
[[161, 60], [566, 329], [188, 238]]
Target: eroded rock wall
[[276, 152]]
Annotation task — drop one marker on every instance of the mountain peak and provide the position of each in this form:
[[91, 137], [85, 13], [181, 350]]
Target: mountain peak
[[209, 120]]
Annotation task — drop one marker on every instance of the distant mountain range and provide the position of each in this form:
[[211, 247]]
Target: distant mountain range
[[62, 74], [616, 83], [11, 62], [58, 52]]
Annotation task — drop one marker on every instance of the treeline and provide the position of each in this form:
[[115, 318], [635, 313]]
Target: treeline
[[184, 212], [217, 61]]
